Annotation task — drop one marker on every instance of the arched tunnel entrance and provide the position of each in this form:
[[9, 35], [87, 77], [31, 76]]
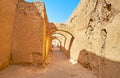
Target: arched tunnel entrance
[[60, 40], [56, 44]]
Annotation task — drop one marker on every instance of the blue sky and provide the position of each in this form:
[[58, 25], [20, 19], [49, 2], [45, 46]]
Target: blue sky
[[59, 10]]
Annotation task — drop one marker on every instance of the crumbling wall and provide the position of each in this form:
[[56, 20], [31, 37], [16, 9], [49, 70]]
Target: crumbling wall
[[7, 13], [100, 66], [93, 27], [96, 29], [27, 39]]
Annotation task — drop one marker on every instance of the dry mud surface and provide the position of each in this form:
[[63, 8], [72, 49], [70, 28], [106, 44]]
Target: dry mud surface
[[57, 66]]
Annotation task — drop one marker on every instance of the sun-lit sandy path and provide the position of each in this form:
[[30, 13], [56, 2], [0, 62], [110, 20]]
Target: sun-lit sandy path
[[58, 66]]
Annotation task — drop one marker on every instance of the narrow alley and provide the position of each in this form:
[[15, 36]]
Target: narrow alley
[[57, 66], [85, 45]]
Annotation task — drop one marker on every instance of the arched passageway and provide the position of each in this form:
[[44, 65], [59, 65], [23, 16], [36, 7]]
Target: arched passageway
[[66, 39], [56, 44], [60, 34], [69, 41]]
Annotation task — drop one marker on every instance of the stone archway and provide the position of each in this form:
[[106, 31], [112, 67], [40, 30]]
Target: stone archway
[[63, 36], [56, 43], [61, 32]]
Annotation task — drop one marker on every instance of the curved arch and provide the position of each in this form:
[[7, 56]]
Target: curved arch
[[49, 34], [71, 41], [58, 40], [66, 32], [52, 31], [63, 36]]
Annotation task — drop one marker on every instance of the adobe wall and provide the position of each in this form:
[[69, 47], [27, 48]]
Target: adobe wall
[[100, 66], [96, 29], [27, 42], [7, 13]]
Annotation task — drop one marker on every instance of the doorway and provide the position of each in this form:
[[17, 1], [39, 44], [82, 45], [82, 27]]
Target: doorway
[[56, 44]]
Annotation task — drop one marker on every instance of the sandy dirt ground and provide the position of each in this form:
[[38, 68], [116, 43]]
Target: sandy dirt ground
[[57, 66]]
